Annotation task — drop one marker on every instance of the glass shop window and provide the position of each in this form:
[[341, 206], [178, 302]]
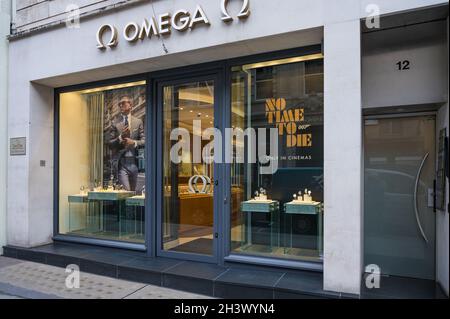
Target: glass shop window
[[101, 162], [279, 214]]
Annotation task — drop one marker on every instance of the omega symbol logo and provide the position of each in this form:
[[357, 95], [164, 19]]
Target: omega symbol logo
[[113, 38], [243, 14]]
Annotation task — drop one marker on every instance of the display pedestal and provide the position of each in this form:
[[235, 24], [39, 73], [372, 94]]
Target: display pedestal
[[135, 207], [78, 212], [100, 213], [270, 207], [305, 208]]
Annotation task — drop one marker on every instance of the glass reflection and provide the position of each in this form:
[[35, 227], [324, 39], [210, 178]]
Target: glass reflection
[[101, 163], [280, 215], [188, 185]]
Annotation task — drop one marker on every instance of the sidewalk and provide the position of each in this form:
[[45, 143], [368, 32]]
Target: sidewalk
[[23, 279]]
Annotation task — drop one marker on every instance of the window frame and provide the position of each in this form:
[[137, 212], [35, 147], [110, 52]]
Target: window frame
[[57, 236], [152, 124]]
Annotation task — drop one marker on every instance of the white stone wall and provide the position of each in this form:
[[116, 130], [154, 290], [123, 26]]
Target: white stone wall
[[4, 31], [343, 256], [424, 46], [37, 13], [61, 56]]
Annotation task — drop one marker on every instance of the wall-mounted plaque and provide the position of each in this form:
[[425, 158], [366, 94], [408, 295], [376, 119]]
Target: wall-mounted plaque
[[17, 146]]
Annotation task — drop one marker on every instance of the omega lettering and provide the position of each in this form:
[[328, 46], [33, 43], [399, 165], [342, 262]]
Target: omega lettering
[[163, 24], [113, 39]]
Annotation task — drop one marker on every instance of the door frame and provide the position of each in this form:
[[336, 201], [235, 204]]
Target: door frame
[[397, 115], [177, 78]]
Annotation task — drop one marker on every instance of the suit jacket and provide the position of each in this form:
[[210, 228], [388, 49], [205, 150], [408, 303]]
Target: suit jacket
[[137, 134]]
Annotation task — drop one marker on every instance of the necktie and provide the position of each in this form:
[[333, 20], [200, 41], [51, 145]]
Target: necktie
[[126, 120]]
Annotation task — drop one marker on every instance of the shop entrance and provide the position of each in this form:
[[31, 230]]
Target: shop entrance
[[187, 222], [399, 175]]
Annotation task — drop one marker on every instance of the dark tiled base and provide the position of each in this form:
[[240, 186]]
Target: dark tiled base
[[232, 291], [202, 278], [208, 279], [30, 255], [187, 283], [403, 288], [139, 275]]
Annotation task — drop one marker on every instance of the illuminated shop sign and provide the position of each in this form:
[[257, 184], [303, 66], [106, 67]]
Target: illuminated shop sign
[[163, 24]]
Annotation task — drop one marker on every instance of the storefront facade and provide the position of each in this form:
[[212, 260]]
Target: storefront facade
[[232, 132]]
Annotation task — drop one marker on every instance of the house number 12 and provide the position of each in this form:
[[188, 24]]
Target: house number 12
[[403, 65]]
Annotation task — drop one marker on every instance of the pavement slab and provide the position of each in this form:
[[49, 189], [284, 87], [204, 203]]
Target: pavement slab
[[38, 281]]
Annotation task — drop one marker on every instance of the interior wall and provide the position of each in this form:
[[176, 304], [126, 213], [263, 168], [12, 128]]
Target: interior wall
[[73, 153]]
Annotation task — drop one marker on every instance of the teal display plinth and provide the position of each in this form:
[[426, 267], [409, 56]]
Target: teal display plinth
[[78, 198], [271, 207], [305, 208], [260, 206], [113, 196], [135, 201]]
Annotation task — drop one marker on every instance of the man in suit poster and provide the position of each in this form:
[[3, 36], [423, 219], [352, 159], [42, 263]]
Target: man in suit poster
[[125, 137]]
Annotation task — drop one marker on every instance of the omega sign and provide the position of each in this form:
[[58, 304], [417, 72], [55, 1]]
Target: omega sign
[[180, 21]]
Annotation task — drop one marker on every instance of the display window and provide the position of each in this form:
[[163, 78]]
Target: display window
[[279, 214], [102, 162], [276, 114], [188, 181]]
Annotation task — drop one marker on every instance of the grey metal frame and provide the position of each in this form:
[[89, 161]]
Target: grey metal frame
[[177, 80], [56, 121], [221, 71]]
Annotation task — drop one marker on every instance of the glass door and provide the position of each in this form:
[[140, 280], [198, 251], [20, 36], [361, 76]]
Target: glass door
[[189, 184], [398, 215]]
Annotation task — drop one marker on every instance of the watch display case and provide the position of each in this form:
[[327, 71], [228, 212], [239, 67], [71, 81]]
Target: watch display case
[[102, 143], [279, 214]]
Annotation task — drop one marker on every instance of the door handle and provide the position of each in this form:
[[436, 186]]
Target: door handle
[[430, 198], [434, 197], [416, 208]]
